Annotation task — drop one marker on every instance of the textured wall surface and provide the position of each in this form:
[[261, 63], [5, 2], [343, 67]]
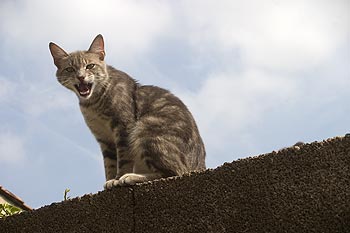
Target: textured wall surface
[[297, 189]]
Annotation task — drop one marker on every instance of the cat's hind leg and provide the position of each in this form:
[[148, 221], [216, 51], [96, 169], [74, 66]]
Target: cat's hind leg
[[144, 169]]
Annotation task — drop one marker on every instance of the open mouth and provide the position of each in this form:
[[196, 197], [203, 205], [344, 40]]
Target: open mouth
[[84, 89]]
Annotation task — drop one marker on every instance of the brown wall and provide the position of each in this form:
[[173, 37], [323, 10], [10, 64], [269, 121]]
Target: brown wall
[[293, 190]]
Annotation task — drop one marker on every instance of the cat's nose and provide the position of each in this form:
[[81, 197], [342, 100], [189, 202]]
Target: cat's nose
[[81, 78]]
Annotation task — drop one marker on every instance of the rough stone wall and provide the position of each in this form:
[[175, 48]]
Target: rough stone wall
[[298, 189]]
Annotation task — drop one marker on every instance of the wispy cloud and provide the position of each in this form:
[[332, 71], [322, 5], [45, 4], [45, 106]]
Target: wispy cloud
[[33, 98], [230, 101]]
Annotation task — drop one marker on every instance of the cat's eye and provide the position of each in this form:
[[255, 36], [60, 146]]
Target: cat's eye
[[69, 69], [90, 66]]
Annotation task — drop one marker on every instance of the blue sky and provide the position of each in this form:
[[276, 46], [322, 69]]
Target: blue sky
[[257, 76]]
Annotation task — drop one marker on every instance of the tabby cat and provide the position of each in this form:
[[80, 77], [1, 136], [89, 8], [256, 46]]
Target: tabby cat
[[144, 132]]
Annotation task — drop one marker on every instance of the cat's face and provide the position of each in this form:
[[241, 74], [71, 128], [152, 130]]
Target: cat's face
[[83, 72]]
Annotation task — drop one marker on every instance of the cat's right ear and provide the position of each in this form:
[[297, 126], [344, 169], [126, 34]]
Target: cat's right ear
[[57, 53]]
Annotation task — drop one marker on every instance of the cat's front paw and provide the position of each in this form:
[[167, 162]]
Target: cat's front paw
[[131, 179], [110, 184]]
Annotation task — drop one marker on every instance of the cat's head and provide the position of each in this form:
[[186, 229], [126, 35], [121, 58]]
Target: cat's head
[[83, 72]]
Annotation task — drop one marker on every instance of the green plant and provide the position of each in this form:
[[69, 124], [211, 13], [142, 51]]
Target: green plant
[[66, 191], [8, 210]]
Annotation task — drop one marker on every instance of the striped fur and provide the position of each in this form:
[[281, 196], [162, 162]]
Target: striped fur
[[144, 132]]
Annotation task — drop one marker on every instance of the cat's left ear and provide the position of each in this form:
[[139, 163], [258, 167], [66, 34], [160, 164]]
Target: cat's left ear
[[97, 46]]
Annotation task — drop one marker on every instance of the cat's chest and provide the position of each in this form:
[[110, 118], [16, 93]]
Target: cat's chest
[[99, 124]]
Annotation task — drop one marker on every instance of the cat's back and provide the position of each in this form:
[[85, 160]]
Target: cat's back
[[153, 101], [153, 97], [164, 116]]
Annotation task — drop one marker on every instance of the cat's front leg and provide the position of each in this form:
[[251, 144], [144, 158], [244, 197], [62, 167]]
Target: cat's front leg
[[110, 160], [126, 179], [123, 166], [110, 184], [133, 178], [129, 179]]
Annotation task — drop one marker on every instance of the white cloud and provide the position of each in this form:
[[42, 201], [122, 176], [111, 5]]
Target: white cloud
[[282, 35], [128, 26], [227, 103], [11, 148]]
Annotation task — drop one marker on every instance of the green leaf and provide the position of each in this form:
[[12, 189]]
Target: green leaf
[[8, 210], [65, 194]]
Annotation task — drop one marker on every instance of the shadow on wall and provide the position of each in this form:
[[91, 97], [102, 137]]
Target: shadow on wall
[[304, 188]]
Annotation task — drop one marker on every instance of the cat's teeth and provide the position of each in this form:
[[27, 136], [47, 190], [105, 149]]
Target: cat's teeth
[[84, 89]]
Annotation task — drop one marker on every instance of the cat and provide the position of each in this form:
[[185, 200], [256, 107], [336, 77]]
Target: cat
[[144, 132]]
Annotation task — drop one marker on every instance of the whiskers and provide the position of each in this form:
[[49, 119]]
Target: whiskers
[[65, 82]]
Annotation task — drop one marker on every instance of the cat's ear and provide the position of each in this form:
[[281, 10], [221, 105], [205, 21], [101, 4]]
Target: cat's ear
[[57, 53], [97, 46]]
